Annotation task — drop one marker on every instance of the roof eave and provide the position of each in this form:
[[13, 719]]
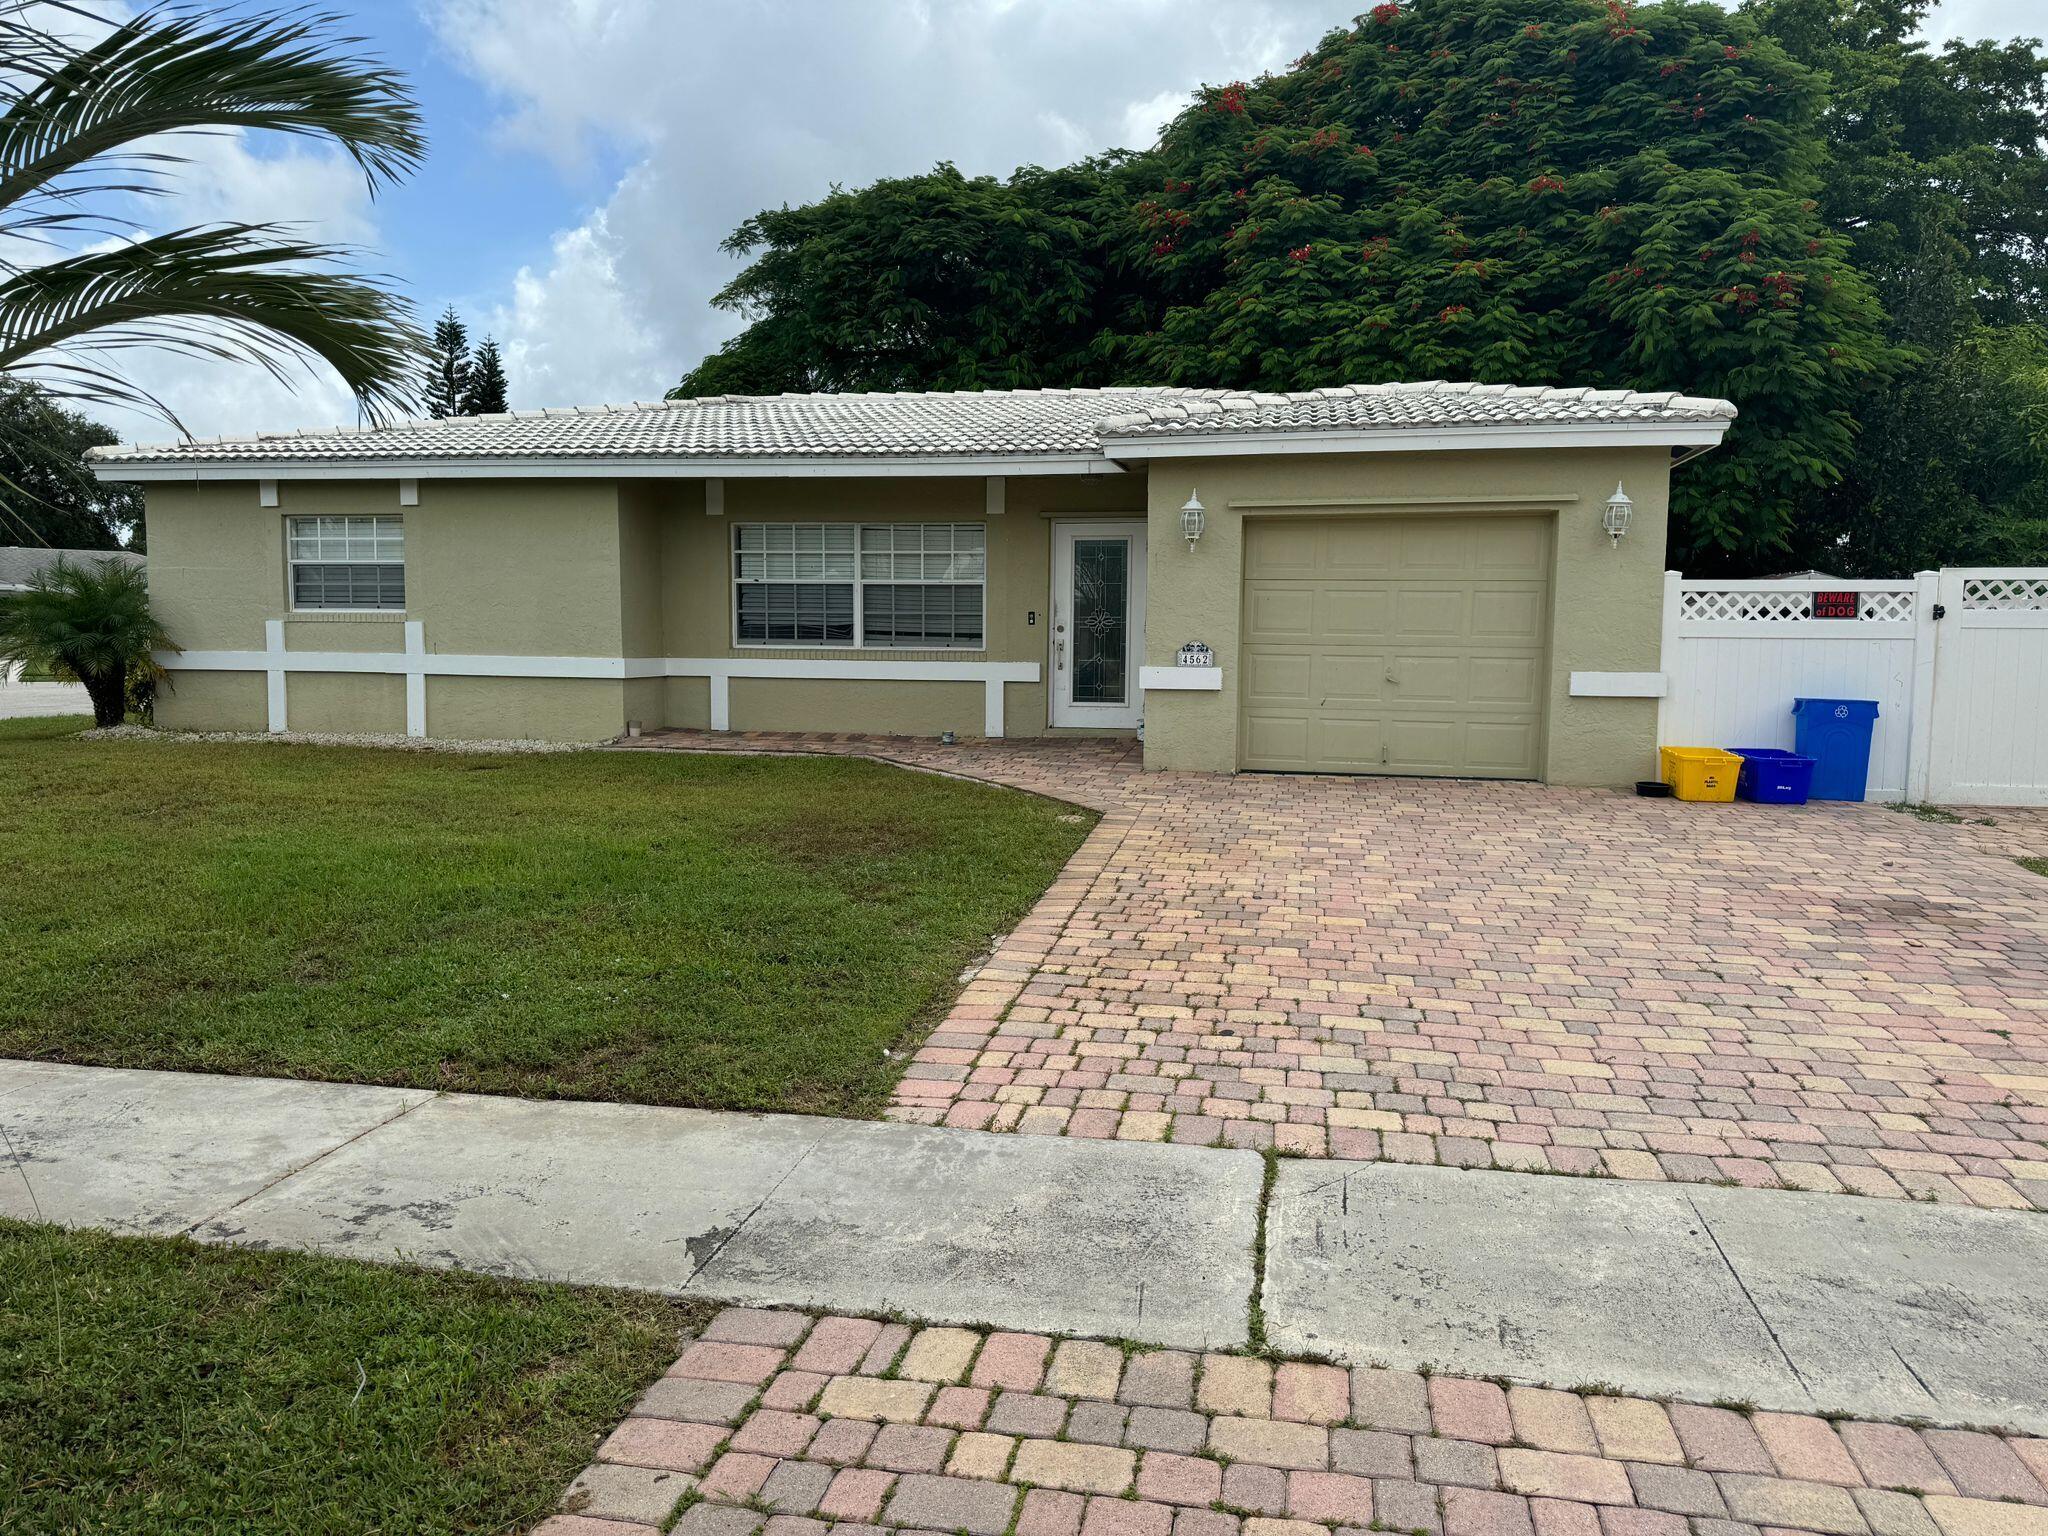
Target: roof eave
[[602, 467], [1590, 434]]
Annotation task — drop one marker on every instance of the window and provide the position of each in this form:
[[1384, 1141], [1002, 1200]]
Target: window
[[903, 586], [347, 562]]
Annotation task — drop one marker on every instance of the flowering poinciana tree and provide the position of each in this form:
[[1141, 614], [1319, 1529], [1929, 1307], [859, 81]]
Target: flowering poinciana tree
[[1523, 191], [1530, 191]]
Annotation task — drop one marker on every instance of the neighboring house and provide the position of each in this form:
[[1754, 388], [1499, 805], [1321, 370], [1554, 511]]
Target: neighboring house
[[21, 564], [1406, 579]]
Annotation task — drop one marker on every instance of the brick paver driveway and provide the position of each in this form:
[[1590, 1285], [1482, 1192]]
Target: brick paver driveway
[[1828, 997], [778, 1424]]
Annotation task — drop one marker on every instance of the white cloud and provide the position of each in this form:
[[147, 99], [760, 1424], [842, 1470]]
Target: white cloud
[[552, 316], [723, 110], [291, 182]]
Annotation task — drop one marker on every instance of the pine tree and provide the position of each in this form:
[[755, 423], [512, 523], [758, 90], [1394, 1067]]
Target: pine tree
[[484, 393], [448, 371]]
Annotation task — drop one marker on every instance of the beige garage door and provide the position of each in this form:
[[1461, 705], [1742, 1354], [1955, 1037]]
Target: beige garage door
[[1395, 645]]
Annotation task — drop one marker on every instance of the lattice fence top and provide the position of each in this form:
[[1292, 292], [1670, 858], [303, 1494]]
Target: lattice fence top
[[2020, 592], [1778, 604]]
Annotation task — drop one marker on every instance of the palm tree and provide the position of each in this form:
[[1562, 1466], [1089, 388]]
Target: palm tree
[[93, 109], [91, 621]]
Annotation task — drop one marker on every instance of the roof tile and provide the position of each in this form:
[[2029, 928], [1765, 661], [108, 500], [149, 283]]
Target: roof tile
[[968, 424]]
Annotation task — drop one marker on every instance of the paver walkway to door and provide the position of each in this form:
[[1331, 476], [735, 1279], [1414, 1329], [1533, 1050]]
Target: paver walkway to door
[[1830, 997], [797, 1424]]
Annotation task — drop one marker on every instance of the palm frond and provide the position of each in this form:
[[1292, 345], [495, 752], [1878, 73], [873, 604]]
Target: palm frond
[[242, 292], [174, 69]]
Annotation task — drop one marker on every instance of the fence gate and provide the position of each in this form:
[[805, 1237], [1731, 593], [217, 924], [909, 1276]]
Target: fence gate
[[1737, 653], [1983, 734]]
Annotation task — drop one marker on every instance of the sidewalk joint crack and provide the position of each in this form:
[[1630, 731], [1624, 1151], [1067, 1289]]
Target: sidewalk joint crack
[[741, 1225], [298, 1168], [1743, 1286]]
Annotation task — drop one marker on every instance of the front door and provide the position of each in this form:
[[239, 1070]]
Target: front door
[[1098, 623]]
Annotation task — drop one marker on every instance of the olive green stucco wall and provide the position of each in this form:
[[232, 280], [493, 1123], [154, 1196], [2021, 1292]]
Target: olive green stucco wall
[[524, 568], [637, 569], [1606, 600], [696, 597], [587, 568]]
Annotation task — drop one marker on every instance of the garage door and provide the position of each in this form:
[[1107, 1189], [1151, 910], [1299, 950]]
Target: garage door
[[1395, 645]]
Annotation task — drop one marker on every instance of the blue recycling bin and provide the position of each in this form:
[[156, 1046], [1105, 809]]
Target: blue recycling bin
[[1835, 733], [1770, 776]]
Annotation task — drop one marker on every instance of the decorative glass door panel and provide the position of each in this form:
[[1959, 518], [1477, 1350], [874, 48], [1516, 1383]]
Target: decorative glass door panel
[[1102, 621], [1098, 623]]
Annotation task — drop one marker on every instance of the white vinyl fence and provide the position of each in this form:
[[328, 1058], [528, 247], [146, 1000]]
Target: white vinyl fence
[[1957, 661]]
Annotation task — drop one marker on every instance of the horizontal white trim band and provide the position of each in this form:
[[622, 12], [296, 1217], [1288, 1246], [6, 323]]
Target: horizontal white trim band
[[646, 468], [1607, 434], [1181, 679], [1619, 685], [460, 664], [1803, 629]]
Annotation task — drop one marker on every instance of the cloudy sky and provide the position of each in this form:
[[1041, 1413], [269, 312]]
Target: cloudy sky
[[589, 155]]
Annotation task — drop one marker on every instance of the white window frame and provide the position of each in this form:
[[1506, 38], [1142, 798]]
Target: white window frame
[[292, 561], [859, 581]]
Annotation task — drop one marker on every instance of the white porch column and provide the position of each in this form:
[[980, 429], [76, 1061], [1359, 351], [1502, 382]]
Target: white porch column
[[415, 678], [273, 653]]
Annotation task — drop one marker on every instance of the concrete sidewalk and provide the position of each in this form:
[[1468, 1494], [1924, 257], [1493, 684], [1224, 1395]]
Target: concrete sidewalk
[[1809, 1303]]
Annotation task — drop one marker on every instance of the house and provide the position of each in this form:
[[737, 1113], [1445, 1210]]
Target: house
[[1399, 578], [20, 564]]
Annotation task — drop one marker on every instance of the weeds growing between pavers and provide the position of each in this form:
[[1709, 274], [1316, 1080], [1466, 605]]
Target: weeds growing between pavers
[[722, 932]]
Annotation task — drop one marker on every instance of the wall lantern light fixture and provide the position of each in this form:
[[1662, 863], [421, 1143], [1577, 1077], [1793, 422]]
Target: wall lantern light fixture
[[1193, 518], [1619, 510]]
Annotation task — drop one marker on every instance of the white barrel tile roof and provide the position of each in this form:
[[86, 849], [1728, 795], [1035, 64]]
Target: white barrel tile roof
[[967, 424]]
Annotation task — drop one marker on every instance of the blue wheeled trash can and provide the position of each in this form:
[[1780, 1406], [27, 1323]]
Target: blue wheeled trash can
[[1835, 733]]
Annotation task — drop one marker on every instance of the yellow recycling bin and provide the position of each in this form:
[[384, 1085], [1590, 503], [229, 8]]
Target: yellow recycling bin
[[1700, 773]]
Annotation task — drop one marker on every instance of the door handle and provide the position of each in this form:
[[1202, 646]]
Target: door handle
[[1059, 655]]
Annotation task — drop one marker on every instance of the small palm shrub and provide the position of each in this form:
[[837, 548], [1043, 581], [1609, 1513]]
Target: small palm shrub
[[90, 621]]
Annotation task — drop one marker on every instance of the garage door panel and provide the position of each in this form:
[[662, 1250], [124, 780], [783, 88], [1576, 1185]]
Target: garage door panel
[[1513, 614], [1276, 741], [1279, 677], [1433, 610], [1278, 615], [1282, 550], [1434, 548], [1346, 680], [1349, 746], [1359, 546], [1425, 744], [1347, 615], [1428, 679], [1455, 608], [1513, 546], [1500, 747]]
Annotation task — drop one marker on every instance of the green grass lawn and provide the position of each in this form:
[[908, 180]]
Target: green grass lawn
[[159, 1386], [730, 932]]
